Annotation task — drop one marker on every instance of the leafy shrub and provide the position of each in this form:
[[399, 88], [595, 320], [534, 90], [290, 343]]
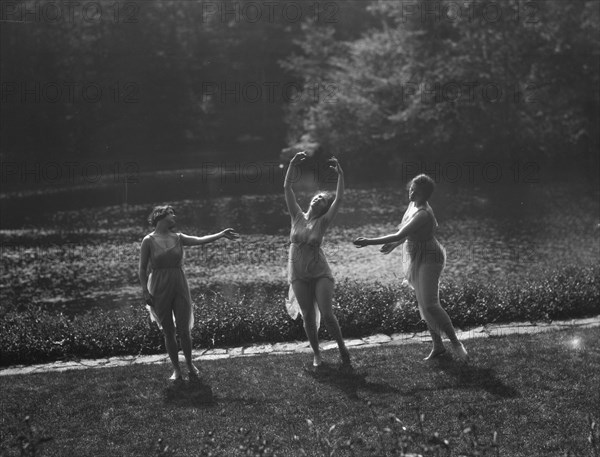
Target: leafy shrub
[[238, 314]]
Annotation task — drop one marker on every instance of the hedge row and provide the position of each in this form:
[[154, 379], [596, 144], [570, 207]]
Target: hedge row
[[229, 315]]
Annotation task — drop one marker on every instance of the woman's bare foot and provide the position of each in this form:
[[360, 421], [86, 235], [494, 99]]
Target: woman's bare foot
[[194, 372], [460, 351], [176, 376], [435, 352], [317, 361]]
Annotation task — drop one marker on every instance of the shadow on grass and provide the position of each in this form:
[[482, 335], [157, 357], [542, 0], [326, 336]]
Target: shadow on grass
[[195, 394], [348, 381], [198, 394], [474, 377]]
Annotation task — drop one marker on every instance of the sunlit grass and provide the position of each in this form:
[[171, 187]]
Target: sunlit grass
[[535, 393]]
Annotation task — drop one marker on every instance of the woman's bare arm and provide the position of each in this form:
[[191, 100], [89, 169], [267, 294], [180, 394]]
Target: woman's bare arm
[[290, 197], [389, 247], [339, 193], [414, 224], [188, 240], [143, 267]]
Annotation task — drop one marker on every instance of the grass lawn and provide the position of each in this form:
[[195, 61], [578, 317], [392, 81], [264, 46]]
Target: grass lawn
[[535, 391]]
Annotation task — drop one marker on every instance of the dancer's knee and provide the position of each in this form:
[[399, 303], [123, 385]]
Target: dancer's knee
[[169, 331], [329, 319], [309, 317], [184, 333], [431, 315], [435, 328]]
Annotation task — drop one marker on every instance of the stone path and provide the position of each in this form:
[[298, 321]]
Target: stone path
[[487, 331]]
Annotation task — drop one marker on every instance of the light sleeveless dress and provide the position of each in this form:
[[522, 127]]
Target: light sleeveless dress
[[306, 259], [168, 285], [422, 248]]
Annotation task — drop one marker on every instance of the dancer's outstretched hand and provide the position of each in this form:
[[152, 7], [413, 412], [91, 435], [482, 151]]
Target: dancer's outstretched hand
[[388, 247], [360, 242], [230, 234], [148, 298]]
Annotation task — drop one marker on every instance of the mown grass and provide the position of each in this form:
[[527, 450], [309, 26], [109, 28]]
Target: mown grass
[[536, 392]]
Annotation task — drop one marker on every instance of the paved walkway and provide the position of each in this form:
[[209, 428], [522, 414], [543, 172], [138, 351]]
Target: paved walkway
[[486, 331]]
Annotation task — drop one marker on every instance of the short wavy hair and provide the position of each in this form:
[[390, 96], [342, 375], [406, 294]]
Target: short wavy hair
[[158, 213], [425, 184]]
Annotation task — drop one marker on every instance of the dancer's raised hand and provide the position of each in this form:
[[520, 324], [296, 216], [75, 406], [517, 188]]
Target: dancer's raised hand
[[335, 165], [299, 157]]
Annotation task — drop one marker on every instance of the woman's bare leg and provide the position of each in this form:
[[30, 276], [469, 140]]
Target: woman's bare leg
[[186, 347], [182, 315], [171, 346], [436, 338], [324, 294], [304, 292], [436, 317]]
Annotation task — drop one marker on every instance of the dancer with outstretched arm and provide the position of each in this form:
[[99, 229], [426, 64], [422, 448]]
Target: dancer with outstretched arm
[[309, 274], [166, 289], [423, 259]]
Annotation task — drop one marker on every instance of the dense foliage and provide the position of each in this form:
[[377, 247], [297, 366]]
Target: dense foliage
[[375, 81], [150, 80], [255, 313], [443, 81]]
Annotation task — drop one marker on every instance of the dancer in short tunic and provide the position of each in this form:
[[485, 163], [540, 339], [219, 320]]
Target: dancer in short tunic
[[306, 258], [166, 290], [168, 285], [421, 247], [309, 275], [423, 259]]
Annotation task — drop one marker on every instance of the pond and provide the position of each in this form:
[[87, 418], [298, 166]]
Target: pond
[[78, 249]]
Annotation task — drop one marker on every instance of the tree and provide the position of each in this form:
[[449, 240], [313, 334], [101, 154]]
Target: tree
[[434, 82]]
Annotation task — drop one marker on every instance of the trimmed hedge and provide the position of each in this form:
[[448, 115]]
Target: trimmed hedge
[[229, 315]]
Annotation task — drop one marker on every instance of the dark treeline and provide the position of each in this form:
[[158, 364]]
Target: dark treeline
[[375, 82], [446, 81], [176, 77]]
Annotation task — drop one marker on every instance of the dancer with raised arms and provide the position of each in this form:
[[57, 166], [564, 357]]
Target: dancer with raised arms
[[309, 275]]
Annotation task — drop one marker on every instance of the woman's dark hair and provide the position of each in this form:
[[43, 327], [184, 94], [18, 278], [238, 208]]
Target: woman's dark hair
[[158, 213], [329, 198], [425, 185]]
